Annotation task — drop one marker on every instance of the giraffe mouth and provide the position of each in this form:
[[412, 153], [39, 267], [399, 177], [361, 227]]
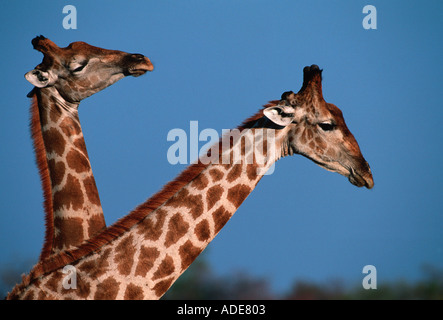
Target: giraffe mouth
[[140, 70], [361, 180], [138, 65]]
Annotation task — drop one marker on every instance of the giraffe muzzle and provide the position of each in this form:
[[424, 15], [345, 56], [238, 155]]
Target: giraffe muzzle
[[361, 179], [138, 65]]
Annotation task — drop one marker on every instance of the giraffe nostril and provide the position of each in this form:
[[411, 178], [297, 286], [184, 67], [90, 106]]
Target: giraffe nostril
[[138, 56]]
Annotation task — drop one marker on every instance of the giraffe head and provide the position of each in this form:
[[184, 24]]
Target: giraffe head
[[317, 130], [80, 70]]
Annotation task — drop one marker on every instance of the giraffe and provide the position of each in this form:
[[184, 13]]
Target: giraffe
[[141, 255], [73, 211]]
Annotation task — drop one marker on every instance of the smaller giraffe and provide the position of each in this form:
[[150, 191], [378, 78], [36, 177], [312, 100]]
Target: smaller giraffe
[[64, 78]]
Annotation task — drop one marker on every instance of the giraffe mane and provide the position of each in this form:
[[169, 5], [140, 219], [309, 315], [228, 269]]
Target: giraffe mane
[[42, 165], [116, 230]]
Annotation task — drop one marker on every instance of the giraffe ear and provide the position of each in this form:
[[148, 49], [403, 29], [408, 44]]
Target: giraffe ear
[[280, 115], [38, 78]]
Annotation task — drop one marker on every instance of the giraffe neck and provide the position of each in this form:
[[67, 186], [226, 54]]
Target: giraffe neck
[[72, 203], [157, 244]]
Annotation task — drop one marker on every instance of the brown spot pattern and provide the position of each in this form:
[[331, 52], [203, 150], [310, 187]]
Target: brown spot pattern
[[83, 287], [202, 230], [77, 161], [220, 217], [55, 280], [29, 295], [70, 195], [216, 174], [234, 172], [153, 230], [331, 153], [41, 295], [213, 195], [310, 134], [96, 224], [70, 127], [320, 143], [124, 255], [188, 252], [200, 182], [161, 287], [91, 190], [251, 171], [133, 292], [165, 268], [193, 202], [54, 141], [303, 138], [107, 290], [238, 194], [70, 231], [80, 144], [97, 267], [177, 228], [56, 171], [146, 260]]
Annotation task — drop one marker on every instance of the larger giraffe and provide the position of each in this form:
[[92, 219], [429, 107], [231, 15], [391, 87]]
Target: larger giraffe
[[73, 211], [142, 255]]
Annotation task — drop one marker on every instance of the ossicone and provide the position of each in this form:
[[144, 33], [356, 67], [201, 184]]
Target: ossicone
[[312, 78], [43, 44], [310, 72]]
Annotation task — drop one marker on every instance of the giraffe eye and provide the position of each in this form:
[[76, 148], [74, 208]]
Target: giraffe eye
[[326, 126], [79, 68]]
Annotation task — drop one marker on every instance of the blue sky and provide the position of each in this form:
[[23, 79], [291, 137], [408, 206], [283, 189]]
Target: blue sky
[[218, 62]]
